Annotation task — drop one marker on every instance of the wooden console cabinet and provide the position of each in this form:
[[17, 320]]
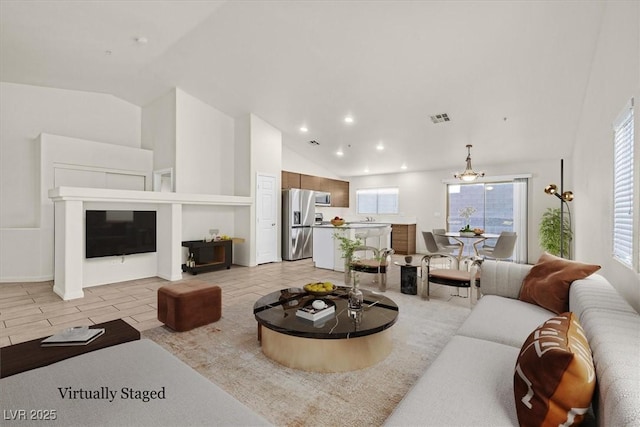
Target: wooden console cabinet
[[209, 255], [403, 238]]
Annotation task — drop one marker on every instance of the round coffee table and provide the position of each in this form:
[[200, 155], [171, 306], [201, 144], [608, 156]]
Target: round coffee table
[[343, 341]]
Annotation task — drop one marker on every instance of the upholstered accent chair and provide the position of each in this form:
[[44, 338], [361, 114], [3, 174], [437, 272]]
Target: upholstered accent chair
[[368, 259], [435, 271]]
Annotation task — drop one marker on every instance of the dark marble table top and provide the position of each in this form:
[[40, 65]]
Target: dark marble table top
[[277, 311]]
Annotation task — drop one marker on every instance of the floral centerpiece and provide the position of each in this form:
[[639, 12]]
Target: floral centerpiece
[[466, 214]]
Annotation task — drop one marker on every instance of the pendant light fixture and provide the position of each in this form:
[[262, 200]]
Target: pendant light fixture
[[468, 175]]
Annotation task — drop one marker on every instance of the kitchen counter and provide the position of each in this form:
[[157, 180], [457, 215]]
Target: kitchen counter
[[354, 225], [326, 248]]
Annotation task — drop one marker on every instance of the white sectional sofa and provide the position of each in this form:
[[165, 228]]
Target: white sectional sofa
[[471, 382], [107, 387]]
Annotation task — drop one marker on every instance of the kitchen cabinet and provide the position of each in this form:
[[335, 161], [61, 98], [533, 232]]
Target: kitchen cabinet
[[310, 182], [403, 238], [340, 193], [339, 189], [290, 180]]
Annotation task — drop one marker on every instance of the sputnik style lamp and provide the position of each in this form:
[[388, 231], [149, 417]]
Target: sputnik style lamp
[[468, 175], [564, 196]]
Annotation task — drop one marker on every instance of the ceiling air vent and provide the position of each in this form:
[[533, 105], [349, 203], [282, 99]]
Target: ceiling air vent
[[314, 142], [440, 118]]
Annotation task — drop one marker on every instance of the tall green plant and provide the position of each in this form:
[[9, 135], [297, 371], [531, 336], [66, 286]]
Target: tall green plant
[[549, 233], [347, 246]]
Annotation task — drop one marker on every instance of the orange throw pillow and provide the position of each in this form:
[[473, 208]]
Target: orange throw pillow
[[547, 283], [554, 378]]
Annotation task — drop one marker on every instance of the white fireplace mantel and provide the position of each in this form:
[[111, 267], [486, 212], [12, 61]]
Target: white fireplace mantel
[[69, 231], [109, 195]]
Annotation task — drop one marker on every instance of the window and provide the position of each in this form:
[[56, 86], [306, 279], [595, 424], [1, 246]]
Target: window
[[496, 207], [623, 162], [379, 201]]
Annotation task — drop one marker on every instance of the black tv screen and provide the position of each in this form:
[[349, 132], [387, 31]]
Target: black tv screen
[[119, 233]]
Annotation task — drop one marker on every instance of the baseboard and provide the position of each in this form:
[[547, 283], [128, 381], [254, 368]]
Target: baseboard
[[23, 279]]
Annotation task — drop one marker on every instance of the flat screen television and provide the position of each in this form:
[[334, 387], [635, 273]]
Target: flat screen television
[[114, 232]]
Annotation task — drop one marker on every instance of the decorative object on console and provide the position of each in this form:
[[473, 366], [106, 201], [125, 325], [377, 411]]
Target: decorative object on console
[[552, 218], [547, 283], [468, 175], [554, 377]]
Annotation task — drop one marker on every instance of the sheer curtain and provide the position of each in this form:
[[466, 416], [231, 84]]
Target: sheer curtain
[[520, 220]]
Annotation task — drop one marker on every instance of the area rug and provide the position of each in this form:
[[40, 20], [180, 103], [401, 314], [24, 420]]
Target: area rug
[[227, 352]]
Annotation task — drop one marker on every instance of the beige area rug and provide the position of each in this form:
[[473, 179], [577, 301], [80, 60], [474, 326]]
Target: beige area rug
[[228, 353]]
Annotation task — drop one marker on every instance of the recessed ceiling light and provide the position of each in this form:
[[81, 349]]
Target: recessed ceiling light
[[380, 147], [404, 166], [304, 129], [348, 119], [366, 170], [339, 153]]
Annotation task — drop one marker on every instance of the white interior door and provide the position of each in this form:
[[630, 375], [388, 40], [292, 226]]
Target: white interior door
[[266, 218]]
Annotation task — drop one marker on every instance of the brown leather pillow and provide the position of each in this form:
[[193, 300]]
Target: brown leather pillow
[[554, 378], [547, 283]]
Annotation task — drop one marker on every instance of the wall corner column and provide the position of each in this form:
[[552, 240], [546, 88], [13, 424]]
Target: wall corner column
[[170, 241], [68, 262]]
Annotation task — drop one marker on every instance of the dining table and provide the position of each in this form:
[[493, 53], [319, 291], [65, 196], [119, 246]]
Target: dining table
[[462, 237]]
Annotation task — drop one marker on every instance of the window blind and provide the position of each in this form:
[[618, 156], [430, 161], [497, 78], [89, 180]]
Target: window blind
[[623, 160], [377, 201]]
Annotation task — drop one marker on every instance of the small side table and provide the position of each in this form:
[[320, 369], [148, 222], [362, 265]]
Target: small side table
[[408, 279]]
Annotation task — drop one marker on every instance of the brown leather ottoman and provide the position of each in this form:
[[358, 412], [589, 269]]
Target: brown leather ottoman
[[185, 306]]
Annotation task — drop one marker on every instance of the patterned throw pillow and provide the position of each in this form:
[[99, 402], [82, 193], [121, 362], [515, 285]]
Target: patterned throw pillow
[[547, 283], [554, 377]]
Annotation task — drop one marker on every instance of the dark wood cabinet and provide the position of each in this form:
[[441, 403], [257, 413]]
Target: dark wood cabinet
[[403, 238], [339, 189], [209, 255], [290, 180]]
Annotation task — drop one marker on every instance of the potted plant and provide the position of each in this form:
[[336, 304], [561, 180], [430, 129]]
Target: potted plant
[[347, 247], [466, 214], [549, 233]]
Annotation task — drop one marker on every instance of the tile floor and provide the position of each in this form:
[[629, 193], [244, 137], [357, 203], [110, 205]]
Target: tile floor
[[33, 310]]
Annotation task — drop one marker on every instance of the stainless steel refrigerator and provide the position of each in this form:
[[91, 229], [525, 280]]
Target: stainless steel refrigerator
[[298, 215]]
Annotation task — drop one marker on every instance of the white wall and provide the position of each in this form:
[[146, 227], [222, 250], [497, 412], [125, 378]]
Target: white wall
[[615, 78], [26, 112], [159, 130], [204, 153], [26, 250], [294, 162], [258, 149]]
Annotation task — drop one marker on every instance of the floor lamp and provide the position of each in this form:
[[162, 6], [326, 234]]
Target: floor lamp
[[564, 196]]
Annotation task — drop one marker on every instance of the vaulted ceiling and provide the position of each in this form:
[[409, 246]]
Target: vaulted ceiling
[[511, 76]]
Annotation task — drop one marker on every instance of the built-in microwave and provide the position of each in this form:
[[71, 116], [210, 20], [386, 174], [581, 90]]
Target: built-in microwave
[[322, 198]]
